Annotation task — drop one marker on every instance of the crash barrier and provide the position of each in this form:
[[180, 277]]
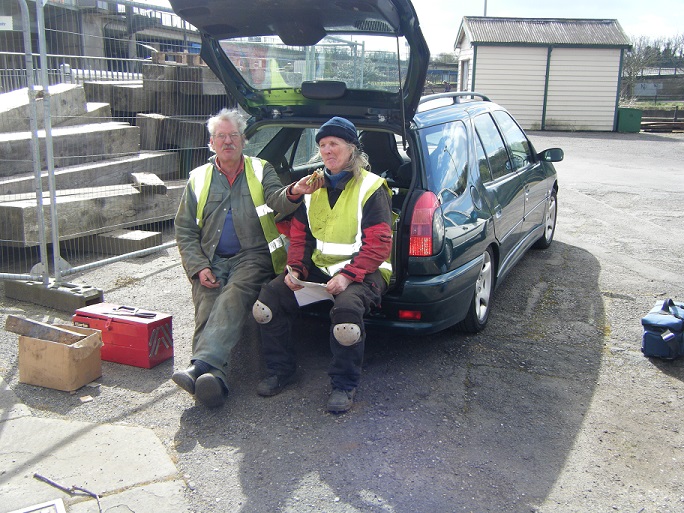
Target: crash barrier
[[96, 137]]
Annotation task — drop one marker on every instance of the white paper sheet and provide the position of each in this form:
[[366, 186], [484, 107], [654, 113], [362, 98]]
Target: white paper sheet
[[311, 293]]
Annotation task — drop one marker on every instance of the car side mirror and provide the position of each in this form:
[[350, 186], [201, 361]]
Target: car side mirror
[[551, 155]]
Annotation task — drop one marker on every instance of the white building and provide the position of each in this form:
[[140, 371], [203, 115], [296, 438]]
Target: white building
[[551, 74]]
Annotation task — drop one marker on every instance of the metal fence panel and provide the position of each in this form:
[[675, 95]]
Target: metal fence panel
[[127, 100]]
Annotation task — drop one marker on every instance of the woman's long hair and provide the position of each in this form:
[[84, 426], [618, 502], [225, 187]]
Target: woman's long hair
[[357, 162]]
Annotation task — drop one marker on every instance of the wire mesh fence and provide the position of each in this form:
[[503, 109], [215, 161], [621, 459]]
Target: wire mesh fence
[[121, 100]]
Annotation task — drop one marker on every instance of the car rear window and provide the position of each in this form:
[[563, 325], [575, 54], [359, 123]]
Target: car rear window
[[447, 158]]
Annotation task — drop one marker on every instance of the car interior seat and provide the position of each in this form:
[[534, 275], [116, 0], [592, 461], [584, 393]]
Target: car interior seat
[[382, 151]]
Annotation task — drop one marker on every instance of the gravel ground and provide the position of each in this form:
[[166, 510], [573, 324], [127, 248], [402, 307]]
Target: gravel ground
[[551, 409]]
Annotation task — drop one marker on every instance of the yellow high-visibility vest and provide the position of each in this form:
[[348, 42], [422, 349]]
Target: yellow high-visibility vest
[[337, 230], [200, 180]]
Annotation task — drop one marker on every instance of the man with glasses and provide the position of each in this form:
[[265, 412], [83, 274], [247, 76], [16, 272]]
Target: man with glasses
[[229, 247]]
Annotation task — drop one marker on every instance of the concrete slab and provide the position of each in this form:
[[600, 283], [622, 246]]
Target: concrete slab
[[66, 297], [152, 131], [66, 101], [95, 113], [85, 211], [71, 145], [199, 80], [120, 242], [123, 96], [160, 78], [125, 465], [96, 174], [10, 405], [167, 497]]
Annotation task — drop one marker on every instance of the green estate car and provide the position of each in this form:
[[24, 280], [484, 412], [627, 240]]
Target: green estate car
[[470, 192]]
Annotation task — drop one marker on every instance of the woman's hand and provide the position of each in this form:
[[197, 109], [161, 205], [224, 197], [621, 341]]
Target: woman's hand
[[308, 184], [337, 284], [290, 283]]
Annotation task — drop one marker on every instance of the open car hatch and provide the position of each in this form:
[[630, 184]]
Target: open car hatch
[[310, 59]]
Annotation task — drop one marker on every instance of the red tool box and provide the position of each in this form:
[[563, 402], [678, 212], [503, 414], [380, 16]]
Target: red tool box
[[132, 336]]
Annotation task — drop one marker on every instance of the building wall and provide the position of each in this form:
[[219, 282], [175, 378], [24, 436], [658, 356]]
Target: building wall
[[513, 77], [583, 88], [465, 65]]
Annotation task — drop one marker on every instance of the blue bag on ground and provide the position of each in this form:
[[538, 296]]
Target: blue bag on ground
[[664, 330]]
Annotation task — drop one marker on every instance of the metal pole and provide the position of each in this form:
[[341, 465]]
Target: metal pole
[[49, 156], [42, 267], [485, 11]]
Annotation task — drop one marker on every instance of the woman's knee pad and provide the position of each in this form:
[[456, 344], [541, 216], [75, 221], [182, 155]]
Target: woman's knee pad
[[262, 313], [347, 333]]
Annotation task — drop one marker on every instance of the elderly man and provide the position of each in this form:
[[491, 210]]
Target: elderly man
[[229, 247], [343, 239]]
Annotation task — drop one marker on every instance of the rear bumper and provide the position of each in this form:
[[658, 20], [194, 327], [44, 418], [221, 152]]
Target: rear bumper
[[442, 301]]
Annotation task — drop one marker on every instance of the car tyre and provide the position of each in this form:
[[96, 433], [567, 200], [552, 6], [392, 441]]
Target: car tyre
[[480, 305], [549, 222]]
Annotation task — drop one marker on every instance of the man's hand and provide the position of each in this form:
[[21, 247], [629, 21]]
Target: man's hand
[[207, 278], [337, 284]]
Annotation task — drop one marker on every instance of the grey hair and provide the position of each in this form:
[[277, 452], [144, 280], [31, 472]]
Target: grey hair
[[230, 115], [357, 162]]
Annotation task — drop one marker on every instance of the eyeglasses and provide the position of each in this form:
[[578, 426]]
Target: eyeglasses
[[235, 136]]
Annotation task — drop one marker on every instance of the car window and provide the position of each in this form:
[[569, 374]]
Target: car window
[[303, 148], [518, 145], [482, 161], [493, 145], [447, 161]]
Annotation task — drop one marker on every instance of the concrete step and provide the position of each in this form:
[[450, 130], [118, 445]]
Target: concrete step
[[66, 101], [71, 145], [95, 113], [94, 174], [123, 96], [86, 211]]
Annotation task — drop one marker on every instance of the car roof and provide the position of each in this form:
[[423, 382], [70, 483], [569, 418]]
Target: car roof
[[361, 59], [444, 107]]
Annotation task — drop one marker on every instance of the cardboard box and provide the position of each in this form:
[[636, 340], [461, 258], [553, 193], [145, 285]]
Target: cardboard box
[[63, 366], [131, 336]]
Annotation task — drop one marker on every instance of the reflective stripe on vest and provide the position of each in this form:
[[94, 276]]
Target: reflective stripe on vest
[[200, 180]]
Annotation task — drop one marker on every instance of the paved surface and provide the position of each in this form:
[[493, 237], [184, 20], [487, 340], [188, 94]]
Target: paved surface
[[85, 455], [551, 409]]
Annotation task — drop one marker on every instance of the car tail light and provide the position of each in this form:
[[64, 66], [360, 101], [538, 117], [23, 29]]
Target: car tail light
[[427, 227], [410, 315]]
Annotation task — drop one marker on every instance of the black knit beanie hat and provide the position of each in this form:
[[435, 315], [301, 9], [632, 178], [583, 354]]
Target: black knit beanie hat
[[339, 127]]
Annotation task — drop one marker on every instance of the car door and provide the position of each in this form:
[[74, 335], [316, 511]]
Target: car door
[[530, 171], [504, 192], [447, 176]]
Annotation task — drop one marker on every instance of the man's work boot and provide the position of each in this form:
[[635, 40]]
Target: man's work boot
[[340, 400], [209, 390], [186, 378], [273, 385]]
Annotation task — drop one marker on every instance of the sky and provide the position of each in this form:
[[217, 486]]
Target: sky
[[441, 19]]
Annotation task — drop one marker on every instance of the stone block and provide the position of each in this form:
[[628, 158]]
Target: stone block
[[71, 145], [95, 174], [85, 211], [199, 80], [65, 297], [65, 101], [120, 242]]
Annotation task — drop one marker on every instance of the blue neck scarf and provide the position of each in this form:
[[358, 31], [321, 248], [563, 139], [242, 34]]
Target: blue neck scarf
[[335, 179]]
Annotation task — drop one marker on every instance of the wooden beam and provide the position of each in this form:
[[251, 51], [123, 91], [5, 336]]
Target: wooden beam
[[41, 330]]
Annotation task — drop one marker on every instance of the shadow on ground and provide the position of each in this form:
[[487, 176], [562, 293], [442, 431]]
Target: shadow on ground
[[441, 423]]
